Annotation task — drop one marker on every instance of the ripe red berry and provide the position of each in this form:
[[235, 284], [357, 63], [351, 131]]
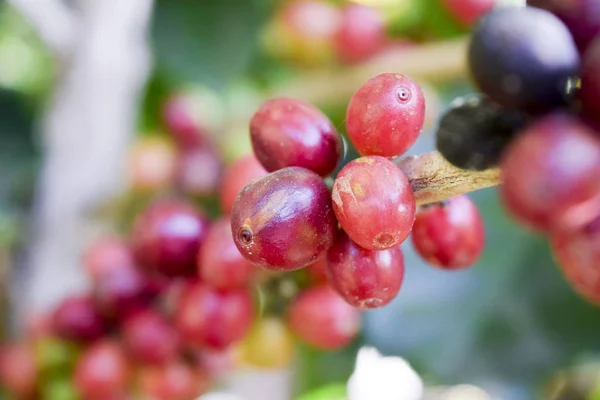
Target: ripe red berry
[[551, 174], [293, 133], [174, 381], [361, 33], [284, 221], [199, 171], [38, 325], [102, 371], [106, 254], [236, 177], [181, 117], [167, 236], [590, 82], [374, 203], [150, 338], [78, 319], [385, 115], [365, 278], [218, 364], [18, 370], [450, 234], [214, 318], [220, 263], [467, 12], [121, 292], [321, 318], [578, 255]]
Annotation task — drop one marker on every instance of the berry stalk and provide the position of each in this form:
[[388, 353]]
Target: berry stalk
[[434, 179]]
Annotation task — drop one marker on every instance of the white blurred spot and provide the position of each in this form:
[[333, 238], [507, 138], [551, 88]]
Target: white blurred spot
[[383, 378]]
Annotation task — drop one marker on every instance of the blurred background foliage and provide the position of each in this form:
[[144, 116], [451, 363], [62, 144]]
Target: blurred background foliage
[[508, 324]]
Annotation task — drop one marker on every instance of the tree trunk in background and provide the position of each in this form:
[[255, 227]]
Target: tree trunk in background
[[86, 133]]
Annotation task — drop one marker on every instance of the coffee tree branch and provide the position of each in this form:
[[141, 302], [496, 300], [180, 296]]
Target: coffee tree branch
[[435, 179]]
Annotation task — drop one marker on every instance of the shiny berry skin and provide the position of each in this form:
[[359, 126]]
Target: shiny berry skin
[[361, 33], [365, 278], [551, 175], [220, 263], [449, 235], [386, 115], [468, 12], [236, 177], [214, 318], [321, 318], [582, 17], [151, 164], [174, 381], [590, 82], [167, 236], [122, 292], [150, 338], [101, 371], [199, 171], [374, 203], [523, 58], [284, 221], [475, 131], [293, 133], [578, 256], [106, 254], [77, 319], [18, 370]]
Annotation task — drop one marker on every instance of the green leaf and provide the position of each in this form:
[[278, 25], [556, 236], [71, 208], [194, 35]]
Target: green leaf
[[59, 389], [336, 391], [438, 23], [55, 357], [318, 368], [208, 41]]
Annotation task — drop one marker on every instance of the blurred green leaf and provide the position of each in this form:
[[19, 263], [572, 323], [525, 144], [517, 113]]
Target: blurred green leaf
[[438, 23], [336, 391], [208, 41], [157, 91], [18, 151], [319, 368], [55, 357], [59, 389]]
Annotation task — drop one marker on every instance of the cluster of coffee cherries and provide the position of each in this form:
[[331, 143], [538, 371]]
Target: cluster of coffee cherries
[[317, 32], [289, 218], [537, 118], [172, 304]]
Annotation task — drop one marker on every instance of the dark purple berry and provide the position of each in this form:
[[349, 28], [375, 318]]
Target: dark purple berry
[[523, 58]]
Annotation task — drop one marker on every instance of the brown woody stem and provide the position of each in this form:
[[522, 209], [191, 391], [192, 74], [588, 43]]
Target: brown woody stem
[[435, 179]]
